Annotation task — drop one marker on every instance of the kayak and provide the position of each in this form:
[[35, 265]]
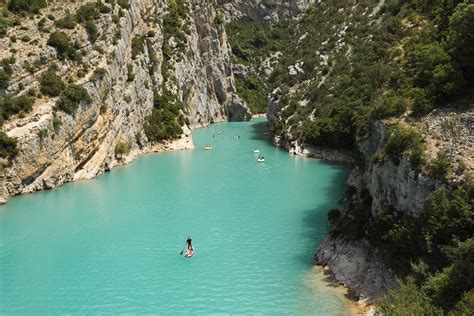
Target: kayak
[[189, 253]]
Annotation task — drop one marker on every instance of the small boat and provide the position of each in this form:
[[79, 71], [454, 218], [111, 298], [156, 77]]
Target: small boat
[[261, 159], [208, 147], [256, 150], [189, 253]]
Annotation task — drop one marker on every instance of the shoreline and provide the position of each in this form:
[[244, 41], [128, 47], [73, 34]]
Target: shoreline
[[354, 306], [184, 143]]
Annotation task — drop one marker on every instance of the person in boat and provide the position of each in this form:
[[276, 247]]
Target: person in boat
[[189, 242]]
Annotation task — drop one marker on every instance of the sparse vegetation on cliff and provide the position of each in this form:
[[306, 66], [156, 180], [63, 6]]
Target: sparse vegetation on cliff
[[162, 123], [72, 97], [344, 68]]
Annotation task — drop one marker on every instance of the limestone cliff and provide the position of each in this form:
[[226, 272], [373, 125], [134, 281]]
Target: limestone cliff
[[341, 62], [264, 9], [55, 147]]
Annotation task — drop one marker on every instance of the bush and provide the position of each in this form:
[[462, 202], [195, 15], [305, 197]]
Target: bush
[[403, 140], [60, 41], [51, 84], [138, 46], [25, 39], [87, 12], [10, 105], [91, 29], [8, 146], [4, 79], [254, 91], [26, 5], [3, 26], [98, 75], [130, 74], [407, 300], [440, 167], [121, 149], [66, 23], [162, 123], [123, 3], [72, 97]]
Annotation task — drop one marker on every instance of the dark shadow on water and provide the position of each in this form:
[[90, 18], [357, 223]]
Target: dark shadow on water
[[315, 222], [260, 131]]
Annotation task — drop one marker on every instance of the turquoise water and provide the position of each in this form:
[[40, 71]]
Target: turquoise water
[[111, 245]]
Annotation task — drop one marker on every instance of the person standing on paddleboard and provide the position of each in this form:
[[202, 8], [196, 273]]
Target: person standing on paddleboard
[[189, 242]]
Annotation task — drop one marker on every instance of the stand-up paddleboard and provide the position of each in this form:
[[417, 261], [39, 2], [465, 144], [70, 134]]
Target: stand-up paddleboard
[[189, 253]]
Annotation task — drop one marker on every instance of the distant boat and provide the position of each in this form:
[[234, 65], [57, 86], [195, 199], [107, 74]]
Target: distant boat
[[208, 147], [256, 150], [261, 159]]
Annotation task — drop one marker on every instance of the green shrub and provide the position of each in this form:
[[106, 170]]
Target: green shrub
[[10, 105], [441, 166], [42, 134], [87, 12], [389, 106], [98, 75], [91, 29], [60, 41], [67, 22], [72, 97], [254, 91], [51, 84], [122, 149], [4, 79], [138, 46], [3, 25], [407, 300], [56, 122], [461, 28], [123, 3], [162, 123], [130, 74], [402, 140], [8, 146], [26, 5]]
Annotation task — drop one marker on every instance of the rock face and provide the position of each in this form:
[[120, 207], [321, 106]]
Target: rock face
[[399, 186], [55, 147], [264, 10], [357, 265]]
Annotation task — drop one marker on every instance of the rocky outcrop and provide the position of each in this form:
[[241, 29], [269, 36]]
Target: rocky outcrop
[[398, 186], [357, 265], [55, 147], [263, 9]]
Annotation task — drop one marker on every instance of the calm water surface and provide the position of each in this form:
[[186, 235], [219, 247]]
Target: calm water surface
[[111, 245]]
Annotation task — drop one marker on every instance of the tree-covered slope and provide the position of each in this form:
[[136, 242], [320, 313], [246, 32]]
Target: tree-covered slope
[[348, 69]]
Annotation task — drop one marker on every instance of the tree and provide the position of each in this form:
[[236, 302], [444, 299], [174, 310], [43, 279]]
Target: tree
[[26, 5], [451, 127], [406, 300], [461, 37], [430, 67], [51, 84], [72, 97]]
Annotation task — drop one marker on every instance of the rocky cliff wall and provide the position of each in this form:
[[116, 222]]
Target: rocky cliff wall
[[55, 147], [260, 10]]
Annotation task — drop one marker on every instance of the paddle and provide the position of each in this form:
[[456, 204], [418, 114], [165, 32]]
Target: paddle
[[181, 253]]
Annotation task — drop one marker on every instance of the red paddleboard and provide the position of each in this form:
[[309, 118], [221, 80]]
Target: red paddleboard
[[189, 253]]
